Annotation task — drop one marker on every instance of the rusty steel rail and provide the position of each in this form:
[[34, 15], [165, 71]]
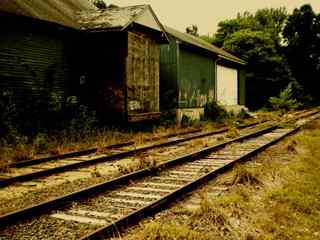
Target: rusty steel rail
[[48, 172], [120, 225], [66, 155], [87, 151], [158, 204], [66, 199], [129, 143]]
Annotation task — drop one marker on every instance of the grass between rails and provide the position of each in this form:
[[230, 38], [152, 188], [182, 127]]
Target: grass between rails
[[44, 145], [276, 196]]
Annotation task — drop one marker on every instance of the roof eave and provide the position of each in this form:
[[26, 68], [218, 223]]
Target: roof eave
[[233, 60], [114, 29]]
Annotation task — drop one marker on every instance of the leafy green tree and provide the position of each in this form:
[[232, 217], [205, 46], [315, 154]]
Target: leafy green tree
[[256, 38], [268, 20], [266, 72], [302, 36]]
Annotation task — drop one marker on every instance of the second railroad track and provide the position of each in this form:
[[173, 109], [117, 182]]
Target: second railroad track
[[105, 209]]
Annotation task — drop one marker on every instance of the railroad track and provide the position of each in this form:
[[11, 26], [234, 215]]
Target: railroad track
[[107, 208], [35, 169]]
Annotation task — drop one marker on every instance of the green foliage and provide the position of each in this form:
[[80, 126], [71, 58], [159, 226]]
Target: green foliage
[[256, 39], [243, 114], [8, 116], [302, 36], [168, 117], [214, 112], [41, 114], [207, 38], [285, 101], [267, 20]]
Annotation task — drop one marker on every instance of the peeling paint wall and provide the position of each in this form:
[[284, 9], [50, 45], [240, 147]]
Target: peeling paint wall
[[196, 79]]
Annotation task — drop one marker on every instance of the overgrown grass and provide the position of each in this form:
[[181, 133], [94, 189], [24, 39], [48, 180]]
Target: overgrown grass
[[269, 199], [157, 231], [246, 176]]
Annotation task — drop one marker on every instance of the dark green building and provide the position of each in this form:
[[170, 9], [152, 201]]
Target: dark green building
[[194, 72], [108, 59]]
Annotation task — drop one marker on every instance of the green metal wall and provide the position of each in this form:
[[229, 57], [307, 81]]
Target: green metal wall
[[169, 75], [32, 58], [196, 78]]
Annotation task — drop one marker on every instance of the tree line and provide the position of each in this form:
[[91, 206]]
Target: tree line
[[282, 52]]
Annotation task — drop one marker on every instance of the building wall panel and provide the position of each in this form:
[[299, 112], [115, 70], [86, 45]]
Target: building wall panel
[[33, 59], [196, 79], [169, 75]]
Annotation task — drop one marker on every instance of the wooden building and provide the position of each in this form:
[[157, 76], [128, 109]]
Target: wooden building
[[121, 60], [194, 72], [108, 58]]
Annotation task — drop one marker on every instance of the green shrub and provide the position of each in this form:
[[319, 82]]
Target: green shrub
[[286, 100], [38, 116], [214, 112], [8, 116], [168, 117], [243, 114]]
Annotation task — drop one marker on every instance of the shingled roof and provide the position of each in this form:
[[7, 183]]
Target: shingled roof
[[81, 14], [198, 42], [110, 18], [63, 12]]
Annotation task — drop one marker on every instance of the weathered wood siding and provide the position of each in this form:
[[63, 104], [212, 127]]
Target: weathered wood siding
[[34, 56], [142, 74]]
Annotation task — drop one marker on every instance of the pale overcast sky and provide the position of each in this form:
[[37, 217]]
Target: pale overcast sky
[[206, 14]]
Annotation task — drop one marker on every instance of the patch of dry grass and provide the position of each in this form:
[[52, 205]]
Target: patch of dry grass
[[246, 175], [209, 212], [233, 133], [275, 197], [157, 231]]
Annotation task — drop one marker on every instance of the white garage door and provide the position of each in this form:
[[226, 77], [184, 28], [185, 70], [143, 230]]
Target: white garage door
[[227, 86]]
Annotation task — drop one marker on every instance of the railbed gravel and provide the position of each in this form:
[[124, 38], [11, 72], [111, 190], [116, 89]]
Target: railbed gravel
[[54, 229], [33, 197]]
